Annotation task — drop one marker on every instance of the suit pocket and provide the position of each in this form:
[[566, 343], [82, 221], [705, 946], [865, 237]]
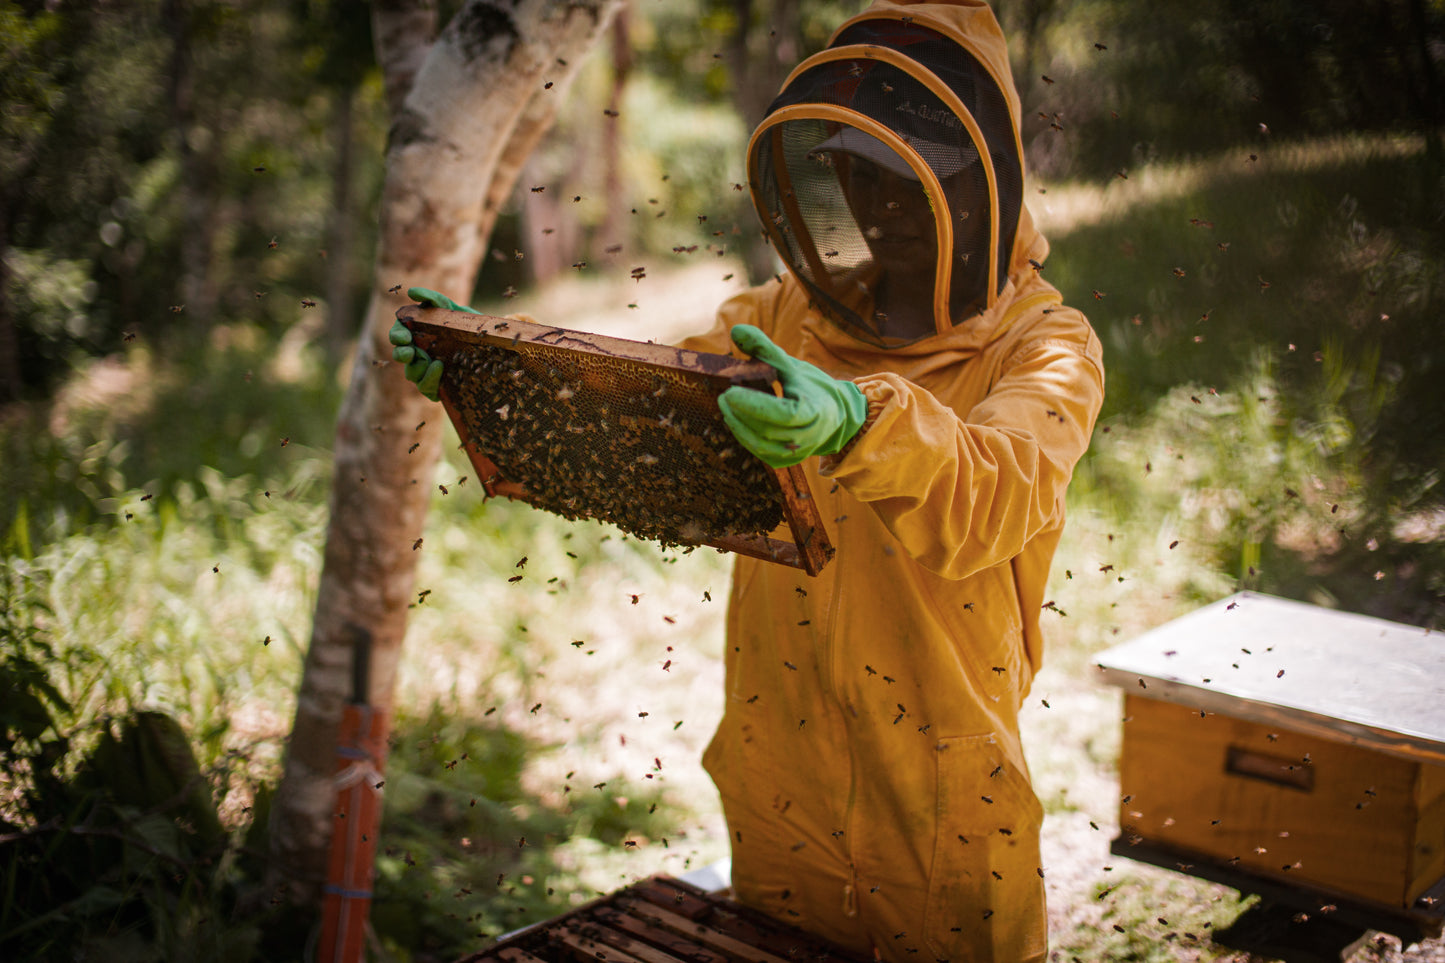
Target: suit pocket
[[985, 891]]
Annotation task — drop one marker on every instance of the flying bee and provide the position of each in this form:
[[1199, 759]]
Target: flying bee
[[308, 303]]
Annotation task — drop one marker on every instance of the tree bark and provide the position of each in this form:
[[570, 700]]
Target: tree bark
[[339, 319], [760, 55], [459, 134], [196, 153], [9, 342]]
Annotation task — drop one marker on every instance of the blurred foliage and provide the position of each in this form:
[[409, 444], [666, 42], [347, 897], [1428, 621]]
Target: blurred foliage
[[144, 192], [1137, 83]]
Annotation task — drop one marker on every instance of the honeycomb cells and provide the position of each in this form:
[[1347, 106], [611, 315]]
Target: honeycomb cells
[[591, 437]]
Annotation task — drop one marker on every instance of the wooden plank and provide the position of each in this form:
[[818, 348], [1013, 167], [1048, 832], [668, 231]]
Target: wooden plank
[[1351, 830], [750, 925], [636, 936], [1410, 925], [729, 946], [512, 954], [674, 896], [581, 941], [1291, 665], [1427, 857]]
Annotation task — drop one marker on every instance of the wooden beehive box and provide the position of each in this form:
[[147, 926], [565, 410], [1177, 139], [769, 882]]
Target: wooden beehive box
[[1289, 749], [662, 920]]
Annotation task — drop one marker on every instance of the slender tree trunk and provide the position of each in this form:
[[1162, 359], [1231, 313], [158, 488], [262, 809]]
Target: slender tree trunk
[[474, 107], [614, 230], [340, 322], [9, 343], [765, 47], [195, 149]]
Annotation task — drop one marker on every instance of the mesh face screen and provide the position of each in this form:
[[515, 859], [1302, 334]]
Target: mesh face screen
[[815, 204], [646, 450], [967, 78]]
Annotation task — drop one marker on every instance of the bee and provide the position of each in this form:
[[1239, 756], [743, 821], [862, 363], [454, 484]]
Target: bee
[[790, 665], [706, 595], [609, 112], [177, 308], [1046, 78], [393, 289], [1179, 272], [308, 303], [1174, 544], [539, 189], [1099, 295], [547, 85], [1100, 46], [1046, 703], [1000, 670], [636, 597], [273, 243], [127, 336], [1122, 174]]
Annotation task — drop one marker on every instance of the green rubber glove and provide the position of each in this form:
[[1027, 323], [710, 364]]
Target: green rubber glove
[[817, 415], [421, 369]]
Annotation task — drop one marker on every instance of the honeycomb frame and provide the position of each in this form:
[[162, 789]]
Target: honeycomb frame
[[653, 408]]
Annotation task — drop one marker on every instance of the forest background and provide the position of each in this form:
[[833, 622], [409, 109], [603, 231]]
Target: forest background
[[1246, 200]]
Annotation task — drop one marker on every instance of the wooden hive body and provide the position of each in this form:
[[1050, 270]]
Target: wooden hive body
[[1287, 748], [1289, 806], [662, 920]]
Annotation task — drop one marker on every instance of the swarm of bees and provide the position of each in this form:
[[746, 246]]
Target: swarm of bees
[[648, 453]]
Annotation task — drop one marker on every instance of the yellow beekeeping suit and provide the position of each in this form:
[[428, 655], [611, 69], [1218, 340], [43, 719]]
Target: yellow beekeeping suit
[[869, 759]]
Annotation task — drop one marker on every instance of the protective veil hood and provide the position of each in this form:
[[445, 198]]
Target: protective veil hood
[[888, 173]]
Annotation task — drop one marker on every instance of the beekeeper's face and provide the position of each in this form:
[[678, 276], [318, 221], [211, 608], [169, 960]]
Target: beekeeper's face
[[896, 220]]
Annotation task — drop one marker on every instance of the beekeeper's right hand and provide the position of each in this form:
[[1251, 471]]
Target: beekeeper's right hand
[[421, 368]]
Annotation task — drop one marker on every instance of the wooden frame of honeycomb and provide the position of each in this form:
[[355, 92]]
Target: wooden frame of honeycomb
[[594, 427]]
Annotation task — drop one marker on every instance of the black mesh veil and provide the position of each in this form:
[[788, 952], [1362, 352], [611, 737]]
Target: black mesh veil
[[834, 168]]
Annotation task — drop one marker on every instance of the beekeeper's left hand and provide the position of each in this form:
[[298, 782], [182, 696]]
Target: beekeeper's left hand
[[817, 415]]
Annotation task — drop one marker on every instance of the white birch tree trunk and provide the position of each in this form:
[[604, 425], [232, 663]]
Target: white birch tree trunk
[[466, 110]]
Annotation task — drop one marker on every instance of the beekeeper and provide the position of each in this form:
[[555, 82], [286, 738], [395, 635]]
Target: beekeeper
[[938, 394]]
